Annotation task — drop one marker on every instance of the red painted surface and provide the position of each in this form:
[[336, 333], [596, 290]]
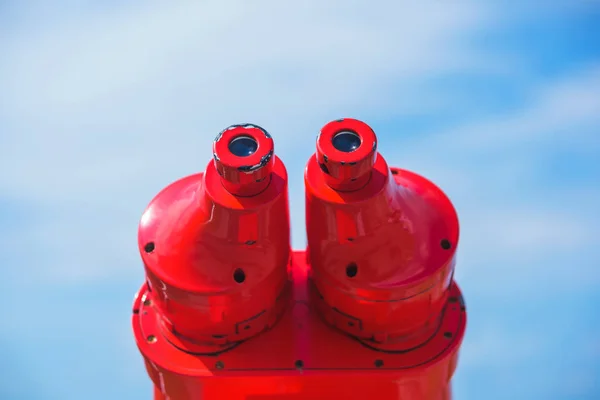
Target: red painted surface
[[369, 311]]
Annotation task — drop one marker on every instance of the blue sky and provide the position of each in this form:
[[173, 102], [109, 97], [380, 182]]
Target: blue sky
[[103, 103]]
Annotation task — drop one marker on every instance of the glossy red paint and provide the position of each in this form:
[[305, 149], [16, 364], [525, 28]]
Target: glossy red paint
[[216, 262], [369, 311], [383, 255]]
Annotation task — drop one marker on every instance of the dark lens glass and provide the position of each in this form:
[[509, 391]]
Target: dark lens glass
[[346, 141], [243, 146]]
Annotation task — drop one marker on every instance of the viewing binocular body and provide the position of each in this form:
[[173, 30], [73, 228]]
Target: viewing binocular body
[[369, 310]]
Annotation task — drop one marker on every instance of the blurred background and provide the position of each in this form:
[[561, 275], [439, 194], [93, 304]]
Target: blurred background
[[103, 103]]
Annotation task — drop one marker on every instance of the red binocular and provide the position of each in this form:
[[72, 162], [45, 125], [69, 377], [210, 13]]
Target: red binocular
[[369, 310]]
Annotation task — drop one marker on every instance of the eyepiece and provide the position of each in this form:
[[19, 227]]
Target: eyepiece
[[243, 146], [346, 151], [243, 157], [346, 141]]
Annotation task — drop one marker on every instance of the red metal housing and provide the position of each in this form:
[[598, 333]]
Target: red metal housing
[[216, 260], [382, 254], [369, 311]]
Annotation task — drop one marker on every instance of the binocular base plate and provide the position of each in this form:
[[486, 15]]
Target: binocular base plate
[[301, 357]]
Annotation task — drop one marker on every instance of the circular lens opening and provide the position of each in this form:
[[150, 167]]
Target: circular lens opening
[[346, 141], [243, 146]]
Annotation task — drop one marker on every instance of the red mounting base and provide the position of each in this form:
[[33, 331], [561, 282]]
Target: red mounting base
[[301, 357]]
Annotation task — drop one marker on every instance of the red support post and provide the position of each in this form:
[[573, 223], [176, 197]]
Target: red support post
[[369, 311]]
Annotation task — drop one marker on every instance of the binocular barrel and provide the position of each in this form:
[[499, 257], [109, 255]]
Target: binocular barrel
[[368, 310]]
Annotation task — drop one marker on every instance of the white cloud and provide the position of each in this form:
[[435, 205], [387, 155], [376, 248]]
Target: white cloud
[[555, 112], [266, 51]]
